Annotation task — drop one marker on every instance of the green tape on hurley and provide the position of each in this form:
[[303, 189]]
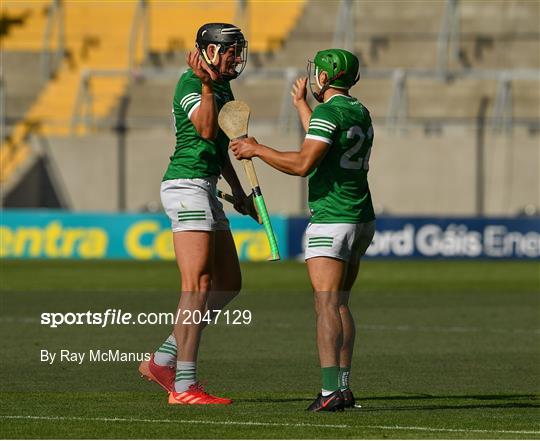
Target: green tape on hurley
[[261, 207]]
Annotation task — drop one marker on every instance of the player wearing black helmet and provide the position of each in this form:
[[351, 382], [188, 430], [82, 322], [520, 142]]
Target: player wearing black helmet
[[203, 244], [215, 39]]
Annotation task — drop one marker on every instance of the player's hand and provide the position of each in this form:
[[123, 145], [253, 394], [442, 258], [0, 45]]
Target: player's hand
[[200, 68], [299, 91], [245, 148]]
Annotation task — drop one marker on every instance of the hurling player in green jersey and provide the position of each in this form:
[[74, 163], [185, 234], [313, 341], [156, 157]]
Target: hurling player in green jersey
[[335, 155], [203, 243]]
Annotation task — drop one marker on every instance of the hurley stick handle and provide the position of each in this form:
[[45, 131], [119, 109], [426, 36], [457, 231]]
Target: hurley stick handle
[[234, 120], [261, 208], [250, 172]]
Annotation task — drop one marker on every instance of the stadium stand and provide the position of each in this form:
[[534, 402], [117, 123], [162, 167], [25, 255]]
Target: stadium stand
[[491, 34], [21, 83], [500, 34], [90, 43], [411, 42], [425, 71], [23, 24], [271, 21]]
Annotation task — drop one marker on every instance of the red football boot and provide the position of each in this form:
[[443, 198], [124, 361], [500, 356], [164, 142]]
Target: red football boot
[[162, 375], [196, 395]]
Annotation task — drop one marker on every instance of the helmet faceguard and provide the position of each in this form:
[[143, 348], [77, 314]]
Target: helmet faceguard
[[222, 36], [341, 67]]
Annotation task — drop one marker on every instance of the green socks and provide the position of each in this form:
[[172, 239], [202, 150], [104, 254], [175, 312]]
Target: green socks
[[329, 379], [343, 380], [334, 378]]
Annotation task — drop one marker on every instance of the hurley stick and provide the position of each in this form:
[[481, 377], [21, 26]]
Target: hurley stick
[[234, 120], [250, 205]]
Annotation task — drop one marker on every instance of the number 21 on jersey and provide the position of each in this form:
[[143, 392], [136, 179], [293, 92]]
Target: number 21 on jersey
[[361, 162]]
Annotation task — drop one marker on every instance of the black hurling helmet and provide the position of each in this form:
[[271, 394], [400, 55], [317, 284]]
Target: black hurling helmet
[[223, 36]]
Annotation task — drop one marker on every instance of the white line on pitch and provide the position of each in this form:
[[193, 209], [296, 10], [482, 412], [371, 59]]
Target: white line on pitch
[[255, 423], [143, 420], [435, 429]]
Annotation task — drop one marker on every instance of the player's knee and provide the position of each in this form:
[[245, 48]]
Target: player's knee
[[198, 283], [326, 302]]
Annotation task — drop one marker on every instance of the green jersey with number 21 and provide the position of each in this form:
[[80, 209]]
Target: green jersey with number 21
[[338, 187]]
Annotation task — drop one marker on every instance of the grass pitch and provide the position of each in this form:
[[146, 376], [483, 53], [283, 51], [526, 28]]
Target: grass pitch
[[444, 350]]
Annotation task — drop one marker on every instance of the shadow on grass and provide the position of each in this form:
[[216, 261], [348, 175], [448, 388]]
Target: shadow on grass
[[368, 408], [513, 398], [275, 400], [497, 401], [491, 397]]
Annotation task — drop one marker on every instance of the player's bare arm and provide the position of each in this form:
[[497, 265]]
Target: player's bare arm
[[299, 93], [300, 163], [204, 118]]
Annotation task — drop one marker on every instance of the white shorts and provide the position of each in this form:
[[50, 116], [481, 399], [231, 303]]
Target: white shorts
[[192, 205], [347, 242]]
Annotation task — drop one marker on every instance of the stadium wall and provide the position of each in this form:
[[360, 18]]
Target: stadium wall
[[52, 234], [411, 173]]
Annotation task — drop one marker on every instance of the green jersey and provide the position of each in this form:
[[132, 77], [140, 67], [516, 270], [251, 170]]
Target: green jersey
[[338, 187], [195, 157]]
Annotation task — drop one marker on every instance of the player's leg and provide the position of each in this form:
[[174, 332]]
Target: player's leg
[[363, 237], [226, 278], [327, 253], [188, 203], [193, 250], [326, 275], [349, 333], [347, 320], [226, 275], [225, 286], [194, 255]]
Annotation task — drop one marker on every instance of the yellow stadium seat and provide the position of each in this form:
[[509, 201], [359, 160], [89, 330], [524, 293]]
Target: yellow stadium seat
[[174, 24], [97, 36]]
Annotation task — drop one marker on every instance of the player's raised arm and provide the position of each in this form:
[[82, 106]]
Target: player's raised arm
[[299, 92], [300, 163], [204, 117]]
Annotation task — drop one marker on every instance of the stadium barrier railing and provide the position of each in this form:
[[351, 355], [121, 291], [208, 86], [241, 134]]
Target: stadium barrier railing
[[396, 117]]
